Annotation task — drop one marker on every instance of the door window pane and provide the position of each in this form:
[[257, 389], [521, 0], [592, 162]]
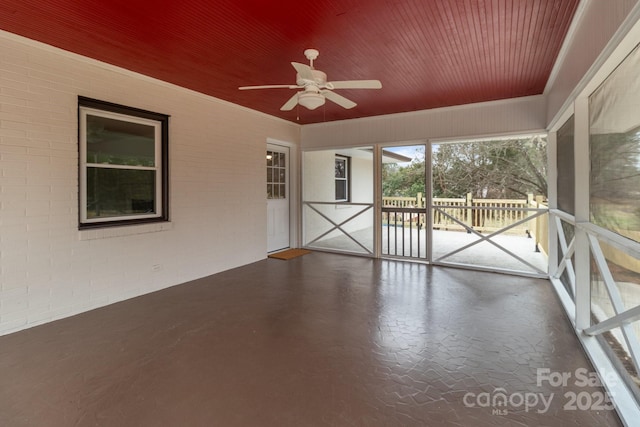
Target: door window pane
[[276, 175]]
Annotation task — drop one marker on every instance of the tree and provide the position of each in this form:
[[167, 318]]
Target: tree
[[404, 181], [510, 168]]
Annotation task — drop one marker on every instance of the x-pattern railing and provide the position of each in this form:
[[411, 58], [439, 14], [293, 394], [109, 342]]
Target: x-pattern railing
[[535, 212], [338, 226], [566, 264], [623, 318]]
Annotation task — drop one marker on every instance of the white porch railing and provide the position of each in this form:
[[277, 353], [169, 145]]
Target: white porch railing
[[608, 295], [481, 215]]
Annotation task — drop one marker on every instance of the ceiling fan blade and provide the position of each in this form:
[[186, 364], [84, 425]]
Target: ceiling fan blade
[[338, 99], [355, 84], [269, 87], [292, 102], [303, 70]]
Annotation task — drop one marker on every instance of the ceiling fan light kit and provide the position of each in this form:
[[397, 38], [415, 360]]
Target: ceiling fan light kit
[[310, 100], [315, 88]]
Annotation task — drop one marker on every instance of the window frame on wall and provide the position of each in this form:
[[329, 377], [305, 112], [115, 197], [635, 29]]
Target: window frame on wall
[[146, 211], [344, 179]]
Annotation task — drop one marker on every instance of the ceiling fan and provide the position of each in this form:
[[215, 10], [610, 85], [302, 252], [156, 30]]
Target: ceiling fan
[[315, 87]]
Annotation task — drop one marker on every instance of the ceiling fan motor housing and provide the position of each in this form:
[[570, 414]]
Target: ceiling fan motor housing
[[319, 79]]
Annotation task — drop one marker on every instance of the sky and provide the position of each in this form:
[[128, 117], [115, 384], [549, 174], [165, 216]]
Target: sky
[[408, 151]]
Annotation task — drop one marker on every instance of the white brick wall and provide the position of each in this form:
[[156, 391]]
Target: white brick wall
[[49, 269]]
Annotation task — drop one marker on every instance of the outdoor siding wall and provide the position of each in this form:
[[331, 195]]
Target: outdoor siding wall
[[489, 118], [319, 186], [49, 269]]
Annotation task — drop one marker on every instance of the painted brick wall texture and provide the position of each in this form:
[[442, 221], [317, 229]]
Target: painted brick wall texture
[[48, 268]]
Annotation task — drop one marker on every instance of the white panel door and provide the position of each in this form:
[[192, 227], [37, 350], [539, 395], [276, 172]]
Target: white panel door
[[277, 197]]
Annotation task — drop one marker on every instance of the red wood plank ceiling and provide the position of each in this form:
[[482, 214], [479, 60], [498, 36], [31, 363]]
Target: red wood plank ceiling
[[426, 53]]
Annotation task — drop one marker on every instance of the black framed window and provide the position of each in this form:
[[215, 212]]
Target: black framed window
[[123, 164], [342, 179]]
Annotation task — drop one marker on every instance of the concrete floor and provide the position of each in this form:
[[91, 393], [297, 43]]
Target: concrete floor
[[482, 254], [320, 340]]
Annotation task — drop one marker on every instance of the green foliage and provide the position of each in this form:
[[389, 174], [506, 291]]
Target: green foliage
[[488, 169], [497, 169], [404, 181]]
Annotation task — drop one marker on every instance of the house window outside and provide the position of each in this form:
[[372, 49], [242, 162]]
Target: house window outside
[[123, 165], [342, 179]]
